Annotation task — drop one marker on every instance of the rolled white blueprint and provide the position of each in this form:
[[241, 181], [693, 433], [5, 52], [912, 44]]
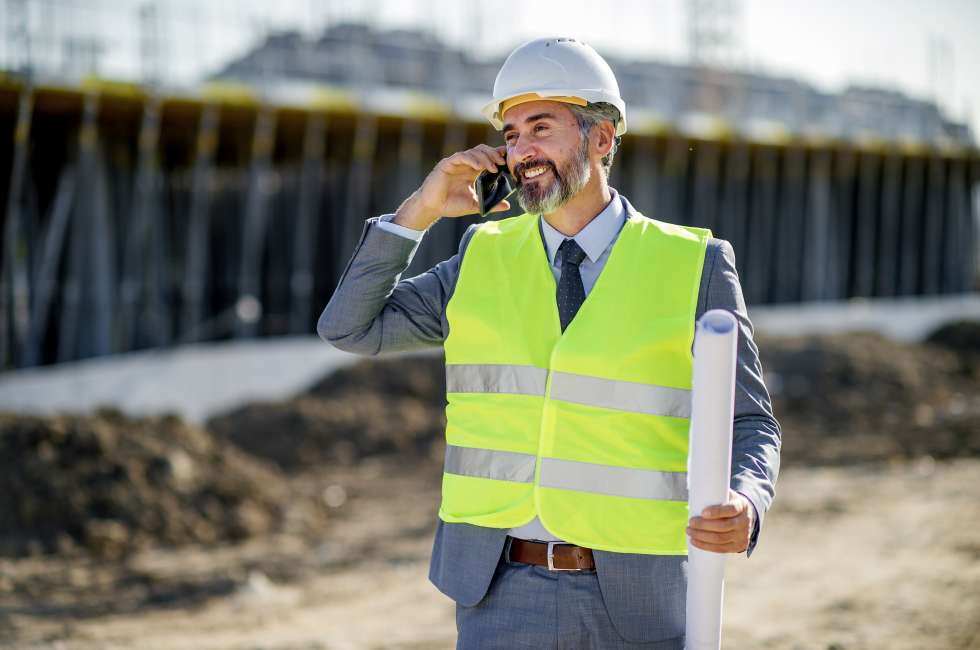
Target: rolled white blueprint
[[709, 467]]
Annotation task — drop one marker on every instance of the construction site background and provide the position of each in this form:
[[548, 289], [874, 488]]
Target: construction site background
[[184, 464]]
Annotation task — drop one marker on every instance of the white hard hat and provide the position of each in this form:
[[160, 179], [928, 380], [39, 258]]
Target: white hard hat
[[557, 69]]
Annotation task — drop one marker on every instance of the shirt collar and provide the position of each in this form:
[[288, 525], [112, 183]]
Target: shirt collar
[[597, 234]]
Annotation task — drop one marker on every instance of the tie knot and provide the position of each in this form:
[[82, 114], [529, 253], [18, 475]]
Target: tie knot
[[571, 253]]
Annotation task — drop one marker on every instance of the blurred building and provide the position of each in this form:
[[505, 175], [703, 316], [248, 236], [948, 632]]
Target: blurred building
[[696, 98]]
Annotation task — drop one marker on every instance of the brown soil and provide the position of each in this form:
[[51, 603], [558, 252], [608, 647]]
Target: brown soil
[[373, 407], [860, 397], [109, 485]]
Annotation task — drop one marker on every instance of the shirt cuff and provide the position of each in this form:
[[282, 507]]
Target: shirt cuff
[[754, 537], [384, 222]]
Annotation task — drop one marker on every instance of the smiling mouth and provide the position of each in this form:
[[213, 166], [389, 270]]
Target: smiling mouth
[[534, 172]]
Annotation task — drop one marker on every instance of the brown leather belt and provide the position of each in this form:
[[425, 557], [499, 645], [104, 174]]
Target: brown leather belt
[[557, 556]]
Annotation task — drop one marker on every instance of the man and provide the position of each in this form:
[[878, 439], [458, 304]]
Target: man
[[568, 334]]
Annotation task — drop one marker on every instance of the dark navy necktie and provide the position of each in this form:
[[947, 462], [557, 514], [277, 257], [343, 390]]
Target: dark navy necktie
[[571, 291]]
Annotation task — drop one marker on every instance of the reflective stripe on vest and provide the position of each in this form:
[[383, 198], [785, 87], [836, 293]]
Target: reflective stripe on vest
[[586, 428], [569, 387], [567, 474]]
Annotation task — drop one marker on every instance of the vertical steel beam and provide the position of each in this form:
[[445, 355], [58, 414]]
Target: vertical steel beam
[[704, 202], [886, 283], [673, 182], [869, 192], [787, 272], [410, 171], [954, 261], [199, 224], [138, 320], [931, 250], [761, 225], [359, 179], [45, 274], [87, 304], [643, 175], [911, 228], [14, 273], [733, 215], [308, 212], [845, 169], [249, 307], [818, 237]]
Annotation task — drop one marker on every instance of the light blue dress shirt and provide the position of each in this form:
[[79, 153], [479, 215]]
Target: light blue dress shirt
[[596, 239]]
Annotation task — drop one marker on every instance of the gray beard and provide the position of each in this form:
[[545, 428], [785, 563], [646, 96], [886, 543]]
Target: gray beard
[[568, 182]]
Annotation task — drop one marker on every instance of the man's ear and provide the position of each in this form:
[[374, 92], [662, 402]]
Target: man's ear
[[603, 135]]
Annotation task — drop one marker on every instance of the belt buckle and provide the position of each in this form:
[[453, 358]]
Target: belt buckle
[[551, 557]]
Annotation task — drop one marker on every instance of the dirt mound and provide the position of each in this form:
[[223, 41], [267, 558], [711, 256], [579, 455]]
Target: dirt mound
[[963, 339], [838, 398], [111, 484], [857, 397], [373, 407]]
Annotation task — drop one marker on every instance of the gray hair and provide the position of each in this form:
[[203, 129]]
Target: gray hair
[[591, 114]]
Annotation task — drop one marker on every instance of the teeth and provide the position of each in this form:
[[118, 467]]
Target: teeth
[[537, 171]]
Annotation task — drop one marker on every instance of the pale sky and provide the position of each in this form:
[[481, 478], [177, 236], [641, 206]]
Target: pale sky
[[825, 42]]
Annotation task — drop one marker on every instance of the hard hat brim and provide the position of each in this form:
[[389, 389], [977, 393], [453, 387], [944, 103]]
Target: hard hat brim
[[494, 110]]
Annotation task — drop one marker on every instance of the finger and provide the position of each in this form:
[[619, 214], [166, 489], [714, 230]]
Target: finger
[[495, 153], [714, 548], [464, 158], [712, 538], [715, 525], [503, 206], [486, 158], [721, 511]]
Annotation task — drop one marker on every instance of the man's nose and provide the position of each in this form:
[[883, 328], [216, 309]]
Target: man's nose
[[522, 151]]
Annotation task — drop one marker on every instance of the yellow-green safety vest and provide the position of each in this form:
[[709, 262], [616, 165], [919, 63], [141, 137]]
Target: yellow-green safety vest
[[586, 429]]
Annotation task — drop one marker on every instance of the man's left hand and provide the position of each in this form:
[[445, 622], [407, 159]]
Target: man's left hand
[[724, 528]]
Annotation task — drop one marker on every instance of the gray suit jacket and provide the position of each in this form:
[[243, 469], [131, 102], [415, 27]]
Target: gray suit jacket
[[372, 312]]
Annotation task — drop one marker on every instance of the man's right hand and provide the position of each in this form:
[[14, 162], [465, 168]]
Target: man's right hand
[[448, 189]]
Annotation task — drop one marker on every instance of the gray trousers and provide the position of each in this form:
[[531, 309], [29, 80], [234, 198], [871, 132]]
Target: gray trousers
[[531, 607]]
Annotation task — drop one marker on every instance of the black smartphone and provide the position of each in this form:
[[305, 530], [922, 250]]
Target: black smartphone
[[492, 188]]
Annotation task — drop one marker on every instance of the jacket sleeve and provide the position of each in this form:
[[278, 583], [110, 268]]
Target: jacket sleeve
[[756, 435], [372, 311]]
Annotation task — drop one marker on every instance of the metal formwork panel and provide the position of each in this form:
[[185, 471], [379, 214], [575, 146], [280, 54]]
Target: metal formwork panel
[[761, 229], [672, 181], [45, 274], [842, 223], [142, 316], [196, 268], [786, 274], [956, 232], [887, 272], [89, 287], [911, 228], [935, 214], [307, 221], [14, 304], [865, 229], [733, 217], [254, 226], [358, 187], [818, 236], [642, 175], [213, 225], [704, 199]]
